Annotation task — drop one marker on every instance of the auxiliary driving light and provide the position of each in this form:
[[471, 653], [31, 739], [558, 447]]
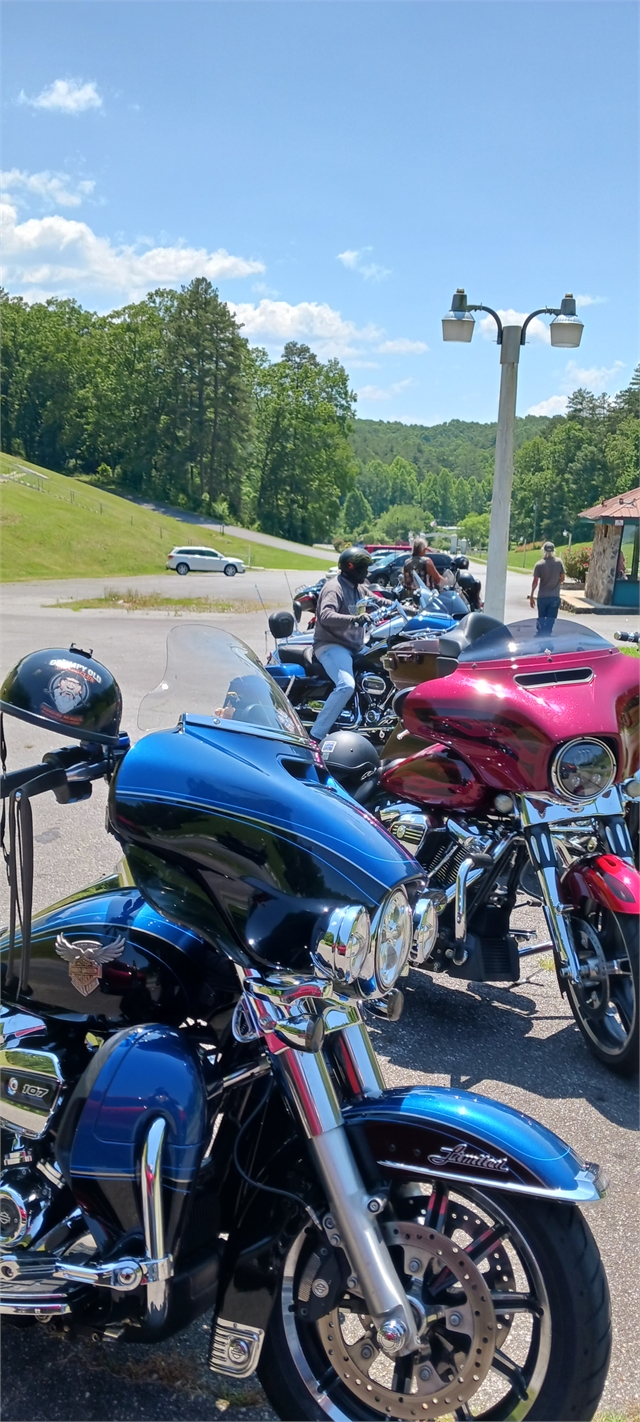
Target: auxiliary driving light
[[425, 931], [344, 944]]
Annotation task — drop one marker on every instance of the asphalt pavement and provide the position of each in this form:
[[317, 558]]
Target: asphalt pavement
[[519, 1045]]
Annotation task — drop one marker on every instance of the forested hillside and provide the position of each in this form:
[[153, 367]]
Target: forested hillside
[[465, 448], [167, 400]]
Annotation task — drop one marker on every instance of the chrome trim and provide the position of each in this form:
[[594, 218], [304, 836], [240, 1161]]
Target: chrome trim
[[425, 930], [245, 1074], [354, 1045], [235, 1348], [310, 1087], [23, 1215], [460, 915], [331, 951], [543, 808], [593, 1184], [27, 1116], [15, 1025], [153, 1221]]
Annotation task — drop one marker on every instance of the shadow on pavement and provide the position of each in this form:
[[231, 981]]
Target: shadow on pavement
[[479, 1032]]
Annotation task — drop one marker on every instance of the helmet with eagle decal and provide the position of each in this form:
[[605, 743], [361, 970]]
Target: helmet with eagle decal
[[65, 691]]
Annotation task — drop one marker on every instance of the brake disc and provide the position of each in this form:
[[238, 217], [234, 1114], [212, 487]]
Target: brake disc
[[457, 1337]]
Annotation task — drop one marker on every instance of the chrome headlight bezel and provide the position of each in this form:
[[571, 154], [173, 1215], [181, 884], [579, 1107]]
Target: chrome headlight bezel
[[378, 982], [425, 930], [556, 770], [343, 947]]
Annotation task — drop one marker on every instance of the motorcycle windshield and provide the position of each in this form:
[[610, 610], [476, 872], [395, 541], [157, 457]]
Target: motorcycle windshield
[[522, 639], [212, 675]]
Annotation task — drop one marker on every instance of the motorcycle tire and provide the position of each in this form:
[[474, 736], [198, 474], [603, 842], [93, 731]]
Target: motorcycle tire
[[609, 1023], [542, 1248]]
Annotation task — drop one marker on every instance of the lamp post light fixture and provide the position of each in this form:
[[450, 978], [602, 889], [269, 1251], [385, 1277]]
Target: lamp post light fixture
[[565, 332]]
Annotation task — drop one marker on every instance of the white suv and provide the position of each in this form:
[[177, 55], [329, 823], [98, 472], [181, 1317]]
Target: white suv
[[203, 560]]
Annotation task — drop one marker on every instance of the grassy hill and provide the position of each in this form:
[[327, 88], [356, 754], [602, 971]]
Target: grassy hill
[[53, 526]]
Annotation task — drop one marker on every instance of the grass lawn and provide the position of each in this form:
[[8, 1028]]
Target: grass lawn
[[628, 651], [53, 526], [131, 601], [531, 557]]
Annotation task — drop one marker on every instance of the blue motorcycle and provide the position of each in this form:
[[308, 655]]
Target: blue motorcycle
[[193, 1117]]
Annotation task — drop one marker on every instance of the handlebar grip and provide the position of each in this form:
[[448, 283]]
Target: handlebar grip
[[15, 779]]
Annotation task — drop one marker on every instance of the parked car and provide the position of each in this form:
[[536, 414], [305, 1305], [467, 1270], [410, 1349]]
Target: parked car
[[386, 568], [203, 560]]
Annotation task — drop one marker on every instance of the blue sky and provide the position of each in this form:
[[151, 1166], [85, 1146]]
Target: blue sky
[[337, 169]]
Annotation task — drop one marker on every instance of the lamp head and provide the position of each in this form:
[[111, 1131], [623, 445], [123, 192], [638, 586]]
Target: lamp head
[[566, 329], [458, 323]]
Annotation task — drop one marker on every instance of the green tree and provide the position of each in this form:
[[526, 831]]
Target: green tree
[[358, 514], [398, 522], [403, 482], [304, 410], [374, 481], [475, 528]]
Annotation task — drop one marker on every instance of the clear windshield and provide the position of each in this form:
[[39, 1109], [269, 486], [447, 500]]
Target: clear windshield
[[522, 639], [211, 675]]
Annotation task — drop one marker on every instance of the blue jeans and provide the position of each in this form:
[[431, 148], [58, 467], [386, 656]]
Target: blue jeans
[[548, 609], [338, 664]]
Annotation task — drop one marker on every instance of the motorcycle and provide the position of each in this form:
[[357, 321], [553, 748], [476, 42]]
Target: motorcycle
[[303, 679], [193, 1116], [511, 771]]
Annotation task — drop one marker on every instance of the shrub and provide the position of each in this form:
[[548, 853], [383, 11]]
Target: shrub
[[576, 562]]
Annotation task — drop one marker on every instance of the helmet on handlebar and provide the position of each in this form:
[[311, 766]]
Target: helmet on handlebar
[[65, 691], [354, 564]]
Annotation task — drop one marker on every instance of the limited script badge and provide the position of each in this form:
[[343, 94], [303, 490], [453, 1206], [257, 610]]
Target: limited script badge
[[85, 958]]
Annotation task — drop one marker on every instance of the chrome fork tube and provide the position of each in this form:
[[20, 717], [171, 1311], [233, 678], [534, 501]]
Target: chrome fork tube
[[543, 857], [152, 1216], [354, 1211]]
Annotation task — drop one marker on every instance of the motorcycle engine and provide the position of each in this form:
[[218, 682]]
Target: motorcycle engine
[[31, 1092]]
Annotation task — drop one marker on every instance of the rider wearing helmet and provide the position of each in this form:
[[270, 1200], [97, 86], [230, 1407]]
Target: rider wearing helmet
[[339, 632]]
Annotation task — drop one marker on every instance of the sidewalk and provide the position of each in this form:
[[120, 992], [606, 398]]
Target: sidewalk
[[575, 600]]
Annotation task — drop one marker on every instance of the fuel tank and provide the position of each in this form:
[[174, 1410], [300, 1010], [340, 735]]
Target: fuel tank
[[227, 831], [505, 718], [435, 774], [150, 970]]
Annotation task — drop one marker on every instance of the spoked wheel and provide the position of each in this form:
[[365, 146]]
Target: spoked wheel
[[511, 1302], [605, 1006]]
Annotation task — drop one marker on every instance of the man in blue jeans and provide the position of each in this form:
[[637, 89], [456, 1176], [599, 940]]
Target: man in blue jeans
[[549, 573], [339, 633]]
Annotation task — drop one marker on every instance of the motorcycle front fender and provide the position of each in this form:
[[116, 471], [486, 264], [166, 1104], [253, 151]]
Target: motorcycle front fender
[[420, 1133], [437, 1133], [607, 879]]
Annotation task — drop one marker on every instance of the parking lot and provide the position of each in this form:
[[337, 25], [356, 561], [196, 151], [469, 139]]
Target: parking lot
[[519, 1045]]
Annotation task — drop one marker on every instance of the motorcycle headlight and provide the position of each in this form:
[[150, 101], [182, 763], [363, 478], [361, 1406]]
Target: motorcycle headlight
[[583, 769], [425, 930], [392, 939], [344, 944]]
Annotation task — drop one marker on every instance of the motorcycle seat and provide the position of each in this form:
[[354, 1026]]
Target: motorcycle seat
[[472, 627], [302, 657]]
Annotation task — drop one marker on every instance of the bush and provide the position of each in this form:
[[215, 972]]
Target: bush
[[475, 528], [576, 562]]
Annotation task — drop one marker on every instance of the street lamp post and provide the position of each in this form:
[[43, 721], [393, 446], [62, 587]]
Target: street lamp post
[[565, 332]]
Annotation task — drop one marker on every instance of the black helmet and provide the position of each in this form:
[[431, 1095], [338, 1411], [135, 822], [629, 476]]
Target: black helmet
[[65, 691], [350, 758], [354, 564]]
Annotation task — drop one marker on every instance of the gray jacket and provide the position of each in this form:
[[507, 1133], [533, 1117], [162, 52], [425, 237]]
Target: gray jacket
[[335, 615]]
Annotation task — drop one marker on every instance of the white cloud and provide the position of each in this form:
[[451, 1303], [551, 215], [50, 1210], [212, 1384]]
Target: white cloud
[[536, 330], [65, 96], [595, 377], [49, 188], [59, 256], [275, 322], [590, 301], [555, 405], [402, 346], [356, 261], [378, 393]]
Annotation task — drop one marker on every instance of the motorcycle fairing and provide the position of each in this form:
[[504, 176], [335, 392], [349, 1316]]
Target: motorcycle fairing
[[607, 879], [259, 824], [139, 1074], [509, 730]]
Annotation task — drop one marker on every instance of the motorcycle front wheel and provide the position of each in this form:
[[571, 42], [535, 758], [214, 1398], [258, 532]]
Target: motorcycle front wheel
[[513, 1307], [606, 1008]]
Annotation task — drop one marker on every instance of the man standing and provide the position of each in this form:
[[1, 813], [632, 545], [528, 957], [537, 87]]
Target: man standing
[[339, 632], [549, 573]]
